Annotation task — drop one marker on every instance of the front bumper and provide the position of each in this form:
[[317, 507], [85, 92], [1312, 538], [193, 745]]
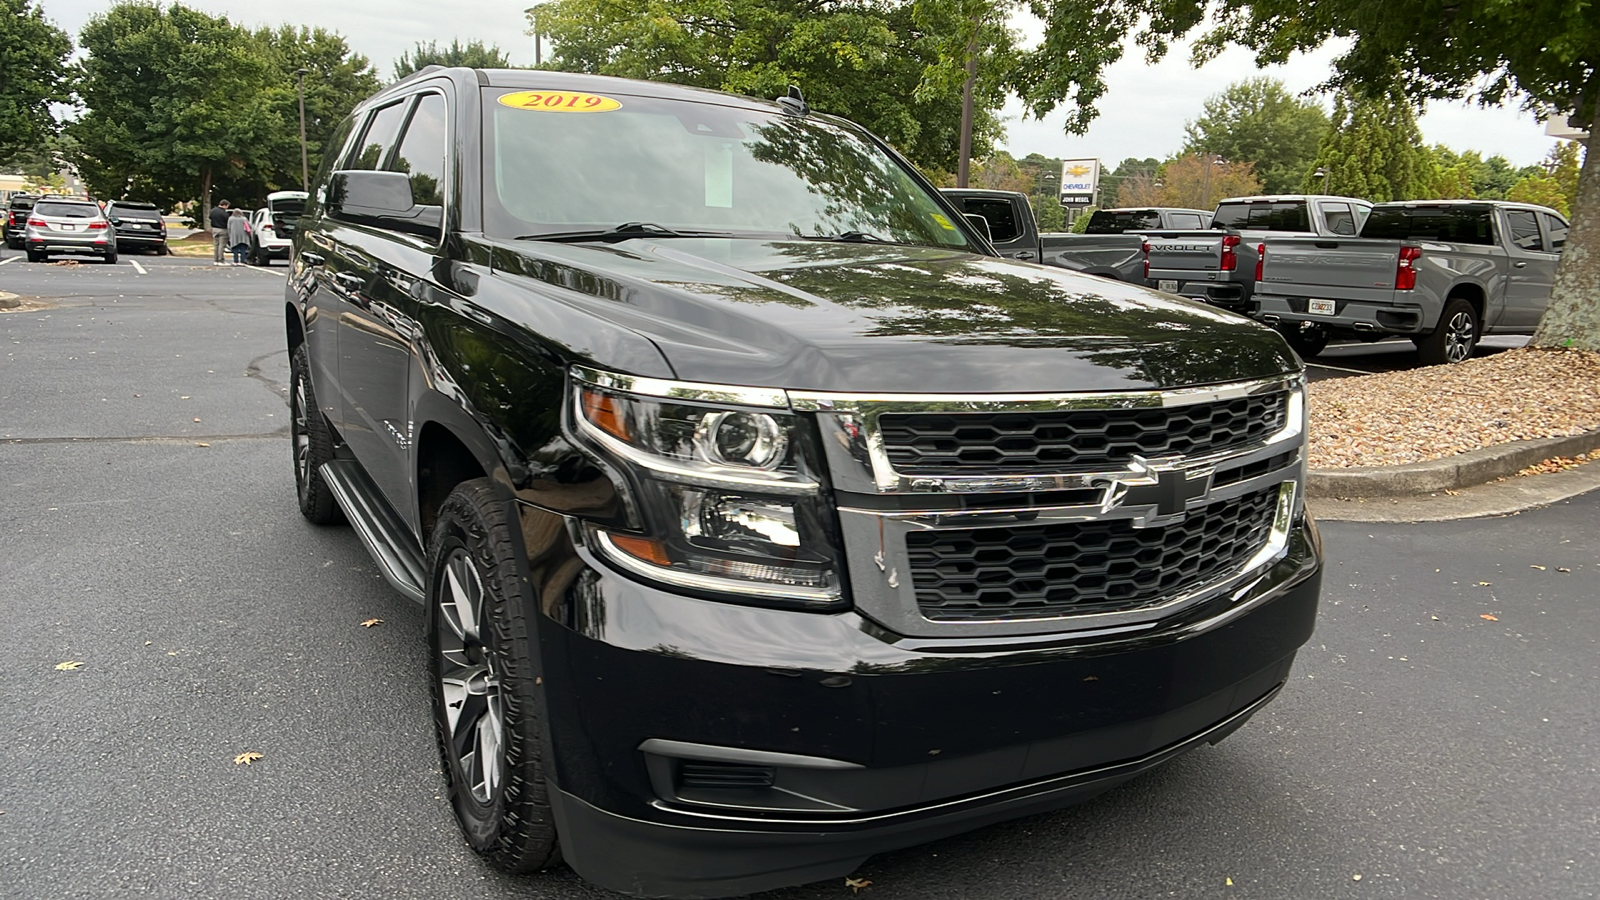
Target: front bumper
[[1349, 315], [875, 741]]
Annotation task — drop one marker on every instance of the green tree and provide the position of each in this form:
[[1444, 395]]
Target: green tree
[[1192, 181], [1555, 184], [895, 67], [1448, 175], [473, 54], [176, 100], [1138, 174], [1540, 189], [1259, 122], [1373, 150], [33, 58], [337, 79]]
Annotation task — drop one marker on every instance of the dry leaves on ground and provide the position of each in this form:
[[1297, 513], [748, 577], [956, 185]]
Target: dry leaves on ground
[[368, 623], [246, 758], [856, 884], [68, 666], [1438, 411]]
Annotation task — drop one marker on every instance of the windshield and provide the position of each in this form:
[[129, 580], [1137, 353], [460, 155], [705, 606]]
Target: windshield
[[1460, 224], [1117, 221], [1287, 215], [692, 167]]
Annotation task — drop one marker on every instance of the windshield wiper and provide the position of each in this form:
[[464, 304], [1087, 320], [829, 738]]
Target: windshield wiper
[[850, 237], [623, 232]]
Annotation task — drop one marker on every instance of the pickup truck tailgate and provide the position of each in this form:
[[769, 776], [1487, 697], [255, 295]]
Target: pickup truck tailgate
[[1200, 251], [1347, 269]]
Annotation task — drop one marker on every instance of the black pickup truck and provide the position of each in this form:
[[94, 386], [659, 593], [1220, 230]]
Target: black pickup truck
[[765, 520]]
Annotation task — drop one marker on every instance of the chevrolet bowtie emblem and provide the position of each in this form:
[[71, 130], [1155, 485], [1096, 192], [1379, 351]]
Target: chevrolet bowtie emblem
[[1168, 489], [1078, 171]]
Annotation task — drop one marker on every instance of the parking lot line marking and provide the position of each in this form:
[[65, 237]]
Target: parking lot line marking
[[9, 260], [267, 270], [1336, 369], [137, 267]]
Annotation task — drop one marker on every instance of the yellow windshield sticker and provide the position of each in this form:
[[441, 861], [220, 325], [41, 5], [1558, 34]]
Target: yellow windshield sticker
[[943, 222], [559, 101]]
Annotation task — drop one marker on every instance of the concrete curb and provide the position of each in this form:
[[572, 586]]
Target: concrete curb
[[1463, 470]]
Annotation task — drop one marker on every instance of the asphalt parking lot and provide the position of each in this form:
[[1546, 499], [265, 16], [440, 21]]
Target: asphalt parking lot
[[1439, 737]]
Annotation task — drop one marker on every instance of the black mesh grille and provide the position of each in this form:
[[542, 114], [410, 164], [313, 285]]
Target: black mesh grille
[[1083, 568], [950, 443]]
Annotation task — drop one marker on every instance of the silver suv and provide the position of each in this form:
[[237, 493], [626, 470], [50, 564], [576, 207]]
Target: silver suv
[[74, 226]]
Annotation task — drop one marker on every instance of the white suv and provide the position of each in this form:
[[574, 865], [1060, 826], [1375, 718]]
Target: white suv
[[272, 227]]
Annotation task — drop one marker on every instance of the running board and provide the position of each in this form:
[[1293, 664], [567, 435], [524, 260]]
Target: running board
[[387, 537]]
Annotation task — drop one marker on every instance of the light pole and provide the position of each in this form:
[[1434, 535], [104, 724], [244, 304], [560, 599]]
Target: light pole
[[305, 166], [1323, 174]]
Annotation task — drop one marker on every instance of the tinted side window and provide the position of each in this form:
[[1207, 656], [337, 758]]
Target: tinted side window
[[1002, 218], [1289, 215], [422, 151], [1338, 217], [379, 137], [1458, 224], [1524, 229], [1112, 221], [1187, 220], [1557, 229]]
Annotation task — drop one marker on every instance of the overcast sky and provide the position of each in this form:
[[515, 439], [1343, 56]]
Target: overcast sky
[[1142, 114]]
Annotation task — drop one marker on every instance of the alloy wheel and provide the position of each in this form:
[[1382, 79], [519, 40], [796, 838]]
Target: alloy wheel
[[1459, 337], [302, 435], [473, 703]]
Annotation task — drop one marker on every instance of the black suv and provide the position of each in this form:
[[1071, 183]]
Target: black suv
[[17, 209], [764, 519], [139, 226]]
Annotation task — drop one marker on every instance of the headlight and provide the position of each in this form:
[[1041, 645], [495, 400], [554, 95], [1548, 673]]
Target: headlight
[[730, 499]]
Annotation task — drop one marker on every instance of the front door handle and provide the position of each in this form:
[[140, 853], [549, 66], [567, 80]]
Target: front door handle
[[1520, 265], [1024, 255]]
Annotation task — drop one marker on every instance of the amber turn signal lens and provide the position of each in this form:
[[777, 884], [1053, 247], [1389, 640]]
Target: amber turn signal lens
[[646, 549], [605, 411]]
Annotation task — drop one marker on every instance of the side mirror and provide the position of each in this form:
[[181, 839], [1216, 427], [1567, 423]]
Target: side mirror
[[981, 224], [382, 200]]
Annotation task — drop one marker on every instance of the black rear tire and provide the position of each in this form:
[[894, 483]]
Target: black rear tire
[[35, 256], [488, 714], [1454, 338], [313, 444], [1307, 340], [111, 258]]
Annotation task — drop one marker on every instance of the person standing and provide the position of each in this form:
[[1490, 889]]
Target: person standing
[[238, 232], [219, 232]]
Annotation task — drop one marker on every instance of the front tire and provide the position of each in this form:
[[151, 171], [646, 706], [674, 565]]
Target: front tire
[[487, 713], [1454, 338], [312, 440], [1307, 340]]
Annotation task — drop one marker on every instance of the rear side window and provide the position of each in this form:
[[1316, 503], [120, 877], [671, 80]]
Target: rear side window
[[1524, 229], [1338, 217], [67, 210], [1186, 220], [1289, 215], [421, 153], [1457, 224], [1002, 218], [1556, 227], [381, 131], [1118, 221]]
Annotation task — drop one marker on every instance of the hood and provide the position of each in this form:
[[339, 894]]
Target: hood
[[875, 318]]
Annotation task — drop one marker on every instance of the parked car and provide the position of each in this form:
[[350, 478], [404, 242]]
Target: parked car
[[1218, 265], [764, 521], [139, 226], [58, 224], [1441, 272], [16, 220], [272, 227], [1109, 249]]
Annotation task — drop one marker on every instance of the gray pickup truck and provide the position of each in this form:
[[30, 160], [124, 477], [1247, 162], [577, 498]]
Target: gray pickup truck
[[1219, 265], [1112, 247], [1440, 272]]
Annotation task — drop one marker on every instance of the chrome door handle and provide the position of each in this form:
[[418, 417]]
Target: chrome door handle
[[1520, 265], [1024, 255]]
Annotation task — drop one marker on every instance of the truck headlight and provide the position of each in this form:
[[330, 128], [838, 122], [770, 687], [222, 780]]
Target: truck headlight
[[730, 500]]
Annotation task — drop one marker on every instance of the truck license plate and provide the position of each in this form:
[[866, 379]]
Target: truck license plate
[[1320, 307], [1168, 285]]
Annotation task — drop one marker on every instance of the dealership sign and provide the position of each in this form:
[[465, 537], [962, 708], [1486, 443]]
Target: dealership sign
[[1079, 180]]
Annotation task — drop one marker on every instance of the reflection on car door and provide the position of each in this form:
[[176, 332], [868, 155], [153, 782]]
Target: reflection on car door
[[1531, 273]]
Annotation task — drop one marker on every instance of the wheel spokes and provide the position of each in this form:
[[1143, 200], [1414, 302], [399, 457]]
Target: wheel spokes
[[474, 721], [465, 592]]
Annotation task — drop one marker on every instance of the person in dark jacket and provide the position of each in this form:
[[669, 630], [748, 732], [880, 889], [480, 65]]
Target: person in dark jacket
[[219, 233]]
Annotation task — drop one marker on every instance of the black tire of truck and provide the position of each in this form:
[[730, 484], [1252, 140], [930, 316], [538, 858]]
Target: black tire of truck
[[312, 441], [1455, 338], [488, 714], [1307, 340]]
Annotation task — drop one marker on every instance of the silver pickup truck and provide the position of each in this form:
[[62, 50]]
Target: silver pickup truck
[[1440, 272], [1112, 247], [1218, 265]]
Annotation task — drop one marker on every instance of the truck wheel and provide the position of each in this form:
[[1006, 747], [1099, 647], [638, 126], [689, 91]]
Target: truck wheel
[[312, 440], [487, 713], [36, 256], [1307, 340], [1455, 337]]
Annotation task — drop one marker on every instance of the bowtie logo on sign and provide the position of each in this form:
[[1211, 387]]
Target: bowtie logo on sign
[[1080, 179]]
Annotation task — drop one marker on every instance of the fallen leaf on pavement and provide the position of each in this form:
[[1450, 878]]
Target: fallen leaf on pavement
[[1228, 882], [197, 418], [1489, 617], [1483, 584], [201, 444], [1540, 568], [368, 623], [1562, 569], [68, 666], [856, 884], [246, 758]]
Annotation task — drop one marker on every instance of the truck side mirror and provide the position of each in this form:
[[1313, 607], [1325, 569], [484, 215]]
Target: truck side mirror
[[981, 224], [382, 200]]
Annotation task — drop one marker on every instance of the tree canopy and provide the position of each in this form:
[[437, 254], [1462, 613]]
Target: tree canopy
[[33, 58], [473, 54], [1373, 149], [1259, 122]]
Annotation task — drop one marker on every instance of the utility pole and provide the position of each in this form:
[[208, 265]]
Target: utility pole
[[305, 166]]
